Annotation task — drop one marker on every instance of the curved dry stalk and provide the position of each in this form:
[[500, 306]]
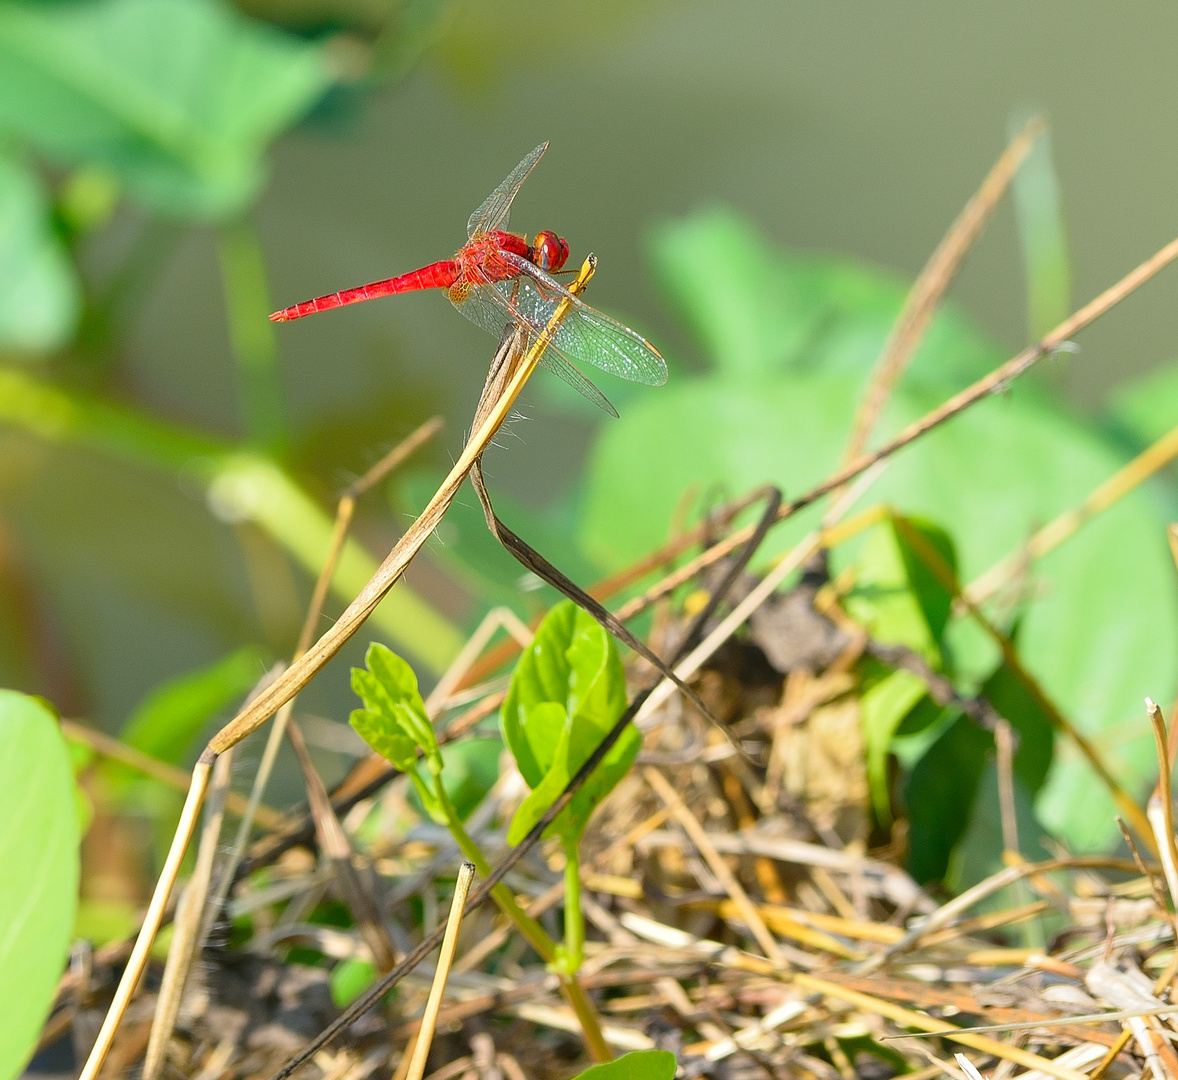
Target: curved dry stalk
[[345, 510], [929, 288], [511, 368]]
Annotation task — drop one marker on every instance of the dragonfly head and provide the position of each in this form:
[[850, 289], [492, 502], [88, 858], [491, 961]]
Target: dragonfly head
[[549, 251]]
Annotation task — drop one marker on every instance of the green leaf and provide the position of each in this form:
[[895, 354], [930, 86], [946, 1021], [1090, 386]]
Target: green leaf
[[978, 854], [39, 296], [994, 474], [469, 770], [1042, 236], [881, 711], [551, 719], [930, 567], [1144, 408], [636, 1065], [39, 882], [172, 716], [1036, 737], [940, 793], [178, 98], [349, 979], [394, 723], [897, 596], [758, 310], [567, 692]]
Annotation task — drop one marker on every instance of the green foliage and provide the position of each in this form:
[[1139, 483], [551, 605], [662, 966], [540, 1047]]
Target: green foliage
[[239, 486], [1042, 237], [171, 716], [882, 709], [349, 979], [1144, 408], [39, 882], [791, 342], [567, 693], [1036, 736], [897, 597], [177, 98], [940, 794], [394, 722], [636, 1065], [38, 290]]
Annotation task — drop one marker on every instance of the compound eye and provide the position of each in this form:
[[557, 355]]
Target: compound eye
[[550, 251]]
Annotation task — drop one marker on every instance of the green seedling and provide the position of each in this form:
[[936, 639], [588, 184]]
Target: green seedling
[[567, 692]]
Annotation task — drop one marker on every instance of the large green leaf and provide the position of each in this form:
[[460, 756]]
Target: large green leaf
[[39, 880], [567, 692], [38, 290], [178, 98], [990, 477], [756, 309]]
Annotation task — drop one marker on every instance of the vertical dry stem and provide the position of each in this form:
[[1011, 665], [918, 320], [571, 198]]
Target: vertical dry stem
[[425, 1035], [155, 914], [188, 921]]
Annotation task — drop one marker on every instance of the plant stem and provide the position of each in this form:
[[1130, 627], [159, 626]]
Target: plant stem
[[535, 934], [574, 918], [247, 303]]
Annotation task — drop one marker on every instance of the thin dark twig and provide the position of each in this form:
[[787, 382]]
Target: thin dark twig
[[375, 992]]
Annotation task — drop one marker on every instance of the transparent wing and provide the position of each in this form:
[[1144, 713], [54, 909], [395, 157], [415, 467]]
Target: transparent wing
[[488, 307], [586, 336], [493, 214]]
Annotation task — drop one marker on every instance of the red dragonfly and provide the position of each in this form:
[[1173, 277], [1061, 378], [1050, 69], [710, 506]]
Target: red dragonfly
[[499, 280]]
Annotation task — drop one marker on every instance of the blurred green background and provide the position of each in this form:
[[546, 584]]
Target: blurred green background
[[174, 169]]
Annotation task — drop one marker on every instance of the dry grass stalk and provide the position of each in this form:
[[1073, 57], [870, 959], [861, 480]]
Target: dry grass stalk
[[429, 1020], [1067, 524], [1161, 805], [931, 285], [189, 915]]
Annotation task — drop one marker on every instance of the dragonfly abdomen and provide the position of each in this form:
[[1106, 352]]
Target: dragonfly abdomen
[[439, 275]]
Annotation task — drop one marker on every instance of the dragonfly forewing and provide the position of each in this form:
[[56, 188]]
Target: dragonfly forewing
[[496, 209]]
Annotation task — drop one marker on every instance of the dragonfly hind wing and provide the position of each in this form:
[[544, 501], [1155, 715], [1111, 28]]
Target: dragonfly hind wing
[[562, 369], [489, 305], [496, 209], [585, 336]]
